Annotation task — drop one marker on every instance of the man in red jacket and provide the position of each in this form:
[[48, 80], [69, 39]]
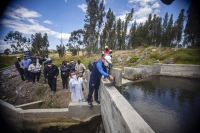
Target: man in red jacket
[[107, 51]]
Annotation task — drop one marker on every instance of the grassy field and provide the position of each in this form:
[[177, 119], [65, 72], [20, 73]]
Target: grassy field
[[129, 58]]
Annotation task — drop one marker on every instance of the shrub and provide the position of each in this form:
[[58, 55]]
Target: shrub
[[40, 91], [133, 59]]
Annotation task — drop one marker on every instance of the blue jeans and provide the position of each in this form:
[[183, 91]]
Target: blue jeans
[[93, 87], [27, 74]]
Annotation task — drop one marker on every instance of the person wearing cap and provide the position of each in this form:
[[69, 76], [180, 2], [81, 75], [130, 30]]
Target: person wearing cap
[[73, 65], [25, 64], [19, 68], [45, 60], [35, 69], [107, 51], [51, 72], [38, 59], [65, 69], [99, 69], [79, 67]]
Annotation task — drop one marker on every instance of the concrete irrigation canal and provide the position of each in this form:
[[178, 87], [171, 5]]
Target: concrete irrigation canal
[[153, 104]]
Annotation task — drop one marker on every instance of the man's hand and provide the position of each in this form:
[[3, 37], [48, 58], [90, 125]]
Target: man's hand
[[55, 77], [105, 79], [111, 77], [47, 80], [83, 78]]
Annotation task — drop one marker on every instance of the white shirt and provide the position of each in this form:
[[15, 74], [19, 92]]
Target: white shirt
[[76, 89], [34, 69]]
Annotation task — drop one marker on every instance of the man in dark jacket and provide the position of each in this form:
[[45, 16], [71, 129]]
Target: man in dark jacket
[[72, 64], [65, 69], [51, 72], [19, 68], [99, 69]]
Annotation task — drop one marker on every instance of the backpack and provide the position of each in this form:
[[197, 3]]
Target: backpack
[[90, 65]]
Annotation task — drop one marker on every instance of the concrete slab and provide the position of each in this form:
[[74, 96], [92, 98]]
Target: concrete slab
[[126, 81]]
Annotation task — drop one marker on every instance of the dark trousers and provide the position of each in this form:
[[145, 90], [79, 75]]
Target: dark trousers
[[65, 80], [28, 74], [52, 83], [93, 87], [34, 75], [21, 72]]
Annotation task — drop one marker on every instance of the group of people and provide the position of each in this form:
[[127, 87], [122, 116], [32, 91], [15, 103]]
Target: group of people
[[30, 70]]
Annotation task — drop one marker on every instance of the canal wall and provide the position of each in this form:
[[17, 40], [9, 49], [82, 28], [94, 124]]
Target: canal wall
[[38, 119], [178, 70], [117, 113]]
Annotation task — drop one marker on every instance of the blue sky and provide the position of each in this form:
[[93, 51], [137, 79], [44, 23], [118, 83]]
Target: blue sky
[[53, 16]]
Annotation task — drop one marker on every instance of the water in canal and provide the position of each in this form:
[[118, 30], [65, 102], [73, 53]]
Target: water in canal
[[167, 104]]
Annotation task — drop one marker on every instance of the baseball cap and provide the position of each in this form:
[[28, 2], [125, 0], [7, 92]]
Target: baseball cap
[[106, 46], [18, 57], [108, 58]]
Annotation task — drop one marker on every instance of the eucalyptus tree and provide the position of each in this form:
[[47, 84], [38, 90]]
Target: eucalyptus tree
[[91, 19], [39, 43], [76, 38], [169, 32], [17, 41], [178, 27], [128, 18], [119, 34], [192, 28], [100, 22], [164, 27], [132, 36]]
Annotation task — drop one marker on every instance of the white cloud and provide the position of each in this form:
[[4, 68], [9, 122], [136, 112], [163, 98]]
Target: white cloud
[[26, 24], [155, 5], [142, 9], [83, 7], [122, 15], [47, 22], [3, 46], [2, 42], [21, 13], [66, 1]]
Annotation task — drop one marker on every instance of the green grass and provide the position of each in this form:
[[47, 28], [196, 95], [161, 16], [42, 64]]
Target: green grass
[[133, 59], [6, 61], [40, 91], [187, 56]]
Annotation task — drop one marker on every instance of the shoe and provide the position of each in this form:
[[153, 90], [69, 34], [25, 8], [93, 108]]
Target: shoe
[[90, 104], [33, 82], [54, 92], [97, 101]]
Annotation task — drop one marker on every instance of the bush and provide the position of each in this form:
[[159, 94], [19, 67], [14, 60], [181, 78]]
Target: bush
[[133, 59], [40, 91], [146, 46], [154, 56]]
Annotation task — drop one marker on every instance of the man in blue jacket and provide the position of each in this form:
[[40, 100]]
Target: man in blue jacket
[[99, 69], [25, 64]]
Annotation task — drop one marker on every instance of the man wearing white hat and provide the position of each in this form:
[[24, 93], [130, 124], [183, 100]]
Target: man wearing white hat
[[99, 69]]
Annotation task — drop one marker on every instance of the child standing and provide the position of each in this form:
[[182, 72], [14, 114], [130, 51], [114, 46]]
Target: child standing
[[75, 84]]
